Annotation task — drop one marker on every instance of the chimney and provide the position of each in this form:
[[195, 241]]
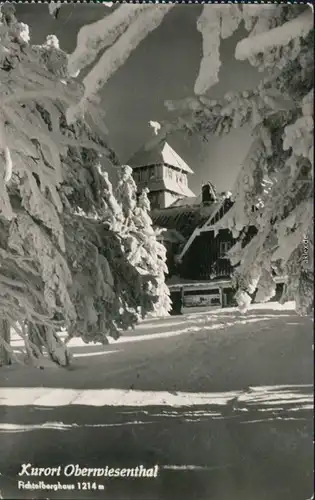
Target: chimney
[[208, 193]]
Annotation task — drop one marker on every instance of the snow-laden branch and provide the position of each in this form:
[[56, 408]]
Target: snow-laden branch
[[97, 36], [231, 17], [28, 95], [209, 24], [115, 57], [252, 13], [118, 53], [214, 23], [8, 165], [53, 7], [7, 174], [280, 36]]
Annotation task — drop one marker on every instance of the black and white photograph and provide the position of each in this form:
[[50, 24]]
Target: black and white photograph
[[156, 251]]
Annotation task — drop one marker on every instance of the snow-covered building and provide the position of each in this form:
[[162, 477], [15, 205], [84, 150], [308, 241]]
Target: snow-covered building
[[163, 172], [195, 252], [200, 273]]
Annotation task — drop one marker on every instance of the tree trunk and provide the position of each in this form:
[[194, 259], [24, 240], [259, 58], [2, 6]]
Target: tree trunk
[[33, 336], [57, 350], [5, 358], [43, 337]]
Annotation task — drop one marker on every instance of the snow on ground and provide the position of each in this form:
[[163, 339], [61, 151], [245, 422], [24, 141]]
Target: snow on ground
[[268, 395], [209, 391], [148, 333], [161, 328]]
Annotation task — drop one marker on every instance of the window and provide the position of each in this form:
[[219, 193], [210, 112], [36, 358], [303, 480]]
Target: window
[[158, 171], [144, 174], [224, 248], [154, 200]]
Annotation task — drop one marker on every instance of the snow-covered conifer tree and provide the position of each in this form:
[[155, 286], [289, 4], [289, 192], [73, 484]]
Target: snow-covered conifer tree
[[274, 189], [156, 255], [142, 247], [62, 261]]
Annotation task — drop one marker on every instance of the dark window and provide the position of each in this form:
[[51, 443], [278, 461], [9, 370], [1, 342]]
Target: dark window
[[213, 291], [224, 248], [208, 193]]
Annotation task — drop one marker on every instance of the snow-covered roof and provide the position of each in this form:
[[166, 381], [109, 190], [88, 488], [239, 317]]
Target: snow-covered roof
[[218, 209], [184, 219], [161, 153], [197, 200]]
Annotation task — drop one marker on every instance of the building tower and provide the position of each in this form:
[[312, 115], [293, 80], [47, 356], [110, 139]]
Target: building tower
[[162, 171]]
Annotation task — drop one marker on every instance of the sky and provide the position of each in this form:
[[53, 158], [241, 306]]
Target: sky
[[164, 66]]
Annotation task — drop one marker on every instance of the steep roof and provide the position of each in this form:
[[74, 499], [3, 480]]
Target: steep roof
[[197, 200], [160, 153], [184, 219], [189, 214]]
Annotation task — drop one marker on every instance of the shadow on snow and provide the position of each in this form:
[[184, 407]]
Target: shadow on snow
[[254, 451]]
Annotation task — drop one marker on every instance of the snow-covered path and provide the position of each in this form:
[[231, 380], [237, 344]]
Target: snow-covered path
[[211, 391]]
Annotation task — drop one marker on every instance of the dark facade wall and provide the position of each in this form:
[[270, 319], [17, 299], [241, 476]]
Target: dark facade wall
[[171, 250], [177, 302], [208, 193], [156, 199], [250, 233], [202, 261]]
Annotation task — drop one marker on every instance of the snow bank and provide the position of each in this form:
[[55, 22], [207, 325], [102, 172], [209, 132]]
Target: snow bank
[[52, 397]]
